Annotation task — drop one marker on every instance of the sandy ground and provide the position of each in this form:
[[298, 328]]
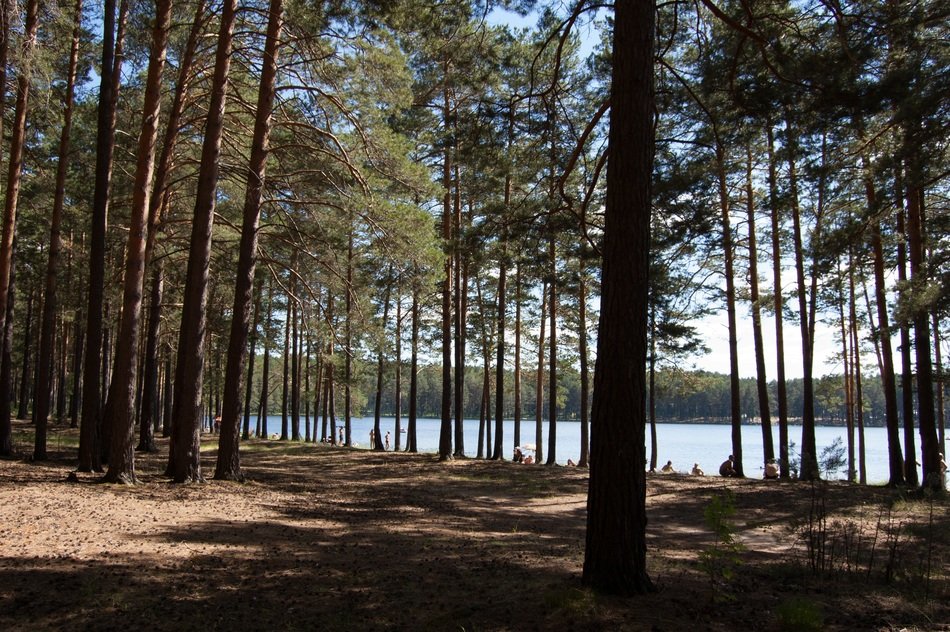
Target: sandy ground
[[326, 538]]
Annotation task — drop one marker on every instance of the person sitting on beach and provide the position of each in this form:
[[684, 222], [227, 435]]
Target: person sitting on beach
[[571, 463], [727, 468], [518, 456], [697, 471], [771, 469], [528, 460], [668, 468]]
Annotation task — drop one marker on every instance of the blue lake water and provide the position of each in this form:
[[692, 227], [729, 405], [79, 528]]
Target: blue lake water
[[683, 444]]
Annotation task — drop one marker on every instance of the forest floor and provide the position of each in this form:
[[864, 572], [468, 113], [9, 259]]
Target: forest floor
[[327, 538]]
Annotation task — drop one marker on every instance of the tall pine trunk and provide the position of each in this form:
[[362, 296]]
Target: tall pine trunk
[[539, 382], [584, 458], [190, 371], [498, 452], [926, 422], [150, 369], [445, 434], [380, 362], [411, 439], [122, 460], [285, 382], [552, 357], [761, 381], [781, 392], [517, 372], [894, 457], [397, 394], [728, 257], [809, 456], [228, 466], [615, 550], [249, 381], [907, 376], [44, 369], [89, 454], [15, 170]]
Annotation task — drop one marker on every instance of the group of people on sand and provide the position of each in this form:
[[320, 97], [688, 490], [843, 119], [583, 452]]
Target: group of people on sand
[[372, 440], [520, 457], [726, 469]]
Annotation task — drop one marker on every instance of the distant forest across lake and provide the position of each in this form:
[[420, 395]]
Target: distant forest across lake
[[681, 396]]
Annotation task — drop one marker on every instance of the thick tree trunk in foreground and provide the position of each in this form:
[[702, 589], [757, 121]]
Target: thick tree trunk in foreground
[[229, 461], [121, 460], [89, 453], [615, 552], [186, 462]]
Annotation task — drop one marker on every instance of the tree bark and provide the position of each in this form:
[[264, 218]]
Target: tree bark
[[809, 456], [122, 459], [761, 381], [190, 371], [380, 361], [397, 395], [926, 422], [150, 379], [539, 382], [89, 454], [895, 458], [249, 382], [6, 370], [42, 402], [228, 466], [615, 551], [25, 391], [17, 143], [411, 439], [517, 372], [584, 459], [498, 453], [552, 356], [445, 434], [728, 256], [781, 393], [907, 376]]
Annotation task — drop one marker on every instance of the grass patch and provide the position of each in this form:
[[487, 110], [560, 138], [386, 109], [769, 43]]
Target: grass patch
[[799, 614]]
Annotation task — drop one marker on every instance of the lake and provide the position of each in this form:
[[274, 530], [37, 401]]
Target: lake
[[683, 444]]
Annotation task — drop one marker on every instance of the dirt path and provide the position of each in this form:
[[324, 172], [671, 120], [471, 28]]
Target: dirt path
[[334, 539]]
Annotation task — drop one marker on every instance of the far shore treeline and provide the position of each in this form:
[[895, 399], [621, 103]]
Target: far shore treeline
[[681, 396]]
